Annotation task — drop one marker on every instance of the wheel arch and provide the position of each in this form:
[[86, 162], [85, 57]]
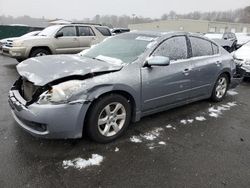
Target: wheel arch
[[126, 94], [40, 47]]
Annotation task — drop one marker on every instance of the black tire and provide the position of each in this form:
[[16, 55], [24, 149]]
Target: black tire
[[41, 51], [214, 96], [92, 127], [19, 60]]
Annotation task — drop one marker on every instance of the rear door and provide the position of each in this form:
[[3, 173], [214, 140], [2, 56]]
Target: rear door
[[207, 65], [162, 86], [69, 42], [87, 37]]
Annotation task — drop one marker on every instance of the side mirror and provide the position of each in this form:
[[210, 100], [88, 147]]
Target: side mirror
[[59, 34], [158, 61]]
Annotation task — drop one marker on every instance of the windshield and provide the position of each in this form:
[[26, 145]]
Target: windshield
[[49, 30], [124, 48]]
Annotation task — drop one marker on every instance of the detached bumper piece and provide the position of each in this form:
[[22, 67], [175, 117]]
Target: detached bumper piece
[[238, 76]]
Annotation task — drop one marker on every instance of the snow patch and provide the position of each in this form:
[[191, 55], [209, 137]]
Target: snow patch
[[149, 136], [162, 143], [213, 114], [169, 126], [232, 92], [80, 163], [184, 122], [190, 120], [135, 139], [200, 118], [217, 111], [152, 135], [231, 104]]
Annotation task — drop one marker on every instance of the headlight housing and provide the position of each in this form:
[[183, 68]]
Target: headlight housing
[[17, 43], [62, 92]]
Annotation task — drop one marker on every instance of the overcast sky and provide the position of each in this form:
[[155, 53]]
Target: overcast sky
[[69, 9]]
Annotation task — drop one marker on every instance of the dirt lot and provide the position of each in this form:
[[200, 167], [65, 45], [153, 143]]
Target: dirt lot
[[198, 145]]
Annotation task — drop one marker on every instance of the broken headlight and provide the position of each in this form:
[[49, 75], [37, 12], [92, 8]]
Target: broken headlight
[[62, 92]]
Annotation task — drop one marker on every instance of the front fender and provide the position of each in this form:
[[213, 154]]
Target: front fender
[[97, 91]]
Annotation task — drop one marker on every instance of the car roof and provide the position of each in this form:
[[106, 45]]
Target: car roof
[[83, 24], [162, 34]]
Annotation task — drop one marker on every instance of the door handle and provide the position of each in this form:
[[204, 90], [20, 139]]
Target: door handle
[[186, 71], [218, 63]]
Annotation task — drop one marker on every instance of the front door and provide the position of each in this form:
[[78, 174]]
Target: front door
[[170, 84], [69, 42], [87, 37]]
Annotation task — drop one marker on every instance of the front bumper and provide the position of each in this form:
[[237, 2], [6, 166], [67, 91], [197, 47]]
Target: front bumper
[[48, 121], [15, 52]]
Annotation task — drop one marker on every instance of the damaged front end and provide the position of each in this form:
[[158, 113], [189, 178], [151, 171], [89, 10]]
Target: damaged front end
[[56, 109]]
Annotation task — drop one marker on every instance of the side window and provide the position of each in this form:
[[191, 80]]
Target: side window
[[85, 31], [175, 48], [68, 31], [215, 48], [104, 31], [201, 47]]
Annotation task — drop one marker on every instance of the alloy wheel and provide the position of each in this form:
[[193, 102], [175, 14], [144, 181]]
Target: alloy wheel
[[111, 119]]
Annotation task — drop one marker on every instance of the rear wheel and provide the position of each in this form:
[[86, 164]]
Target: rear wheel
[[39, 52], [220, 88], [108, 118]]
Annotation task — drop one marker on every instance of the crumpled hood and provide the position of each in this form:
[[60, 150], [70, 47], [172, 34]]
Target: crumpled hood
[[243, 53], [45, 69]]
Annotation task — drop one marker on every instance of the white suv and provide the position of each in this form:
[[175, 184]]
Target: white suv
[[57, 39]]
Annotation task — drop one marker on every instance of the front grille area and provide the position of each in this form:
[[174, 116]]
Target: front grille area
[[28, 89]]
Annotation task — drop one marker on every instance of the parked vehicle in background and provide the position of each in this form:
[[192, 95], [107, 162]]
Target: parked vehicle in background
[[57, 39], [116, 31], [242, 39], [227, 40], [9, 41], [242, 58], [102, 89]]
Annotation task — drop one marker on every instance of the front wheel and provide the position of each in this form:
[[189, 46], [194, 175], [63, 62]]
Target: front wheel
[[108, 118], [39, 52], [220, 88]]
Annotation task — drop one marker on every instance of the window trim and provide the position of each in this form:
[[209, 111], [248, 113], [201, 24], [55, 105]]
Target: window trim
[[212, 43], [78, 33]]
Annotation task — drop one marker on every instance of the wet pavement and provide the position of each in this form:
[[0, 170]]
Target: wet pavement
[[199, 145]]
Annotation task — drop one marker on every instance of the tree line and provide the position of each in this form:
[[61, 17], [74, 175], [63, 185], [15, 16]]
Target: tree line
[[237, 16]]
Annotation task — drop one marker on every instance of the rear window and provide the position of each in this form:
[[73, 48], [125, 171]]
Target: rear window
[[104, 31], [85, 31], [201, 47]]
